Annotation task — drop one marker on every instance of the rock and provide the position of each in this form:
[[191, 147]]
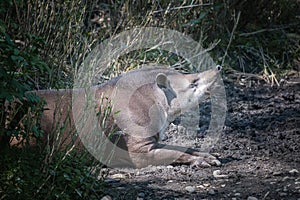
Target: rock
[[206, 184], [118, 176], [252, 198], [294, 172], [285, 178], [107, 197], [217, 174], [190, 189], [277, 173], [200, 186], [237, 194], [282, 194], [211, 192]]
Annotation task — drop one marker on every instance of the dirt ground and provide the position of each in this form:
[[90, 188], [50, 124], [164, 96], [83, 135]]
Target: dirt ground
[[259, 150]]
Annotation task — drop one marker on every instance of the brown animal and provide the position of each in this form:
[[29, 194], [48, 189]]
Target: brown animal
[[143, 103]]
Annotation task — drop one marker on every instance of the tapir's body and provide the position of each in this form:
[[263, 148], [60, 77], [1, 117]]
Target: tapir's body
[[143, 103]]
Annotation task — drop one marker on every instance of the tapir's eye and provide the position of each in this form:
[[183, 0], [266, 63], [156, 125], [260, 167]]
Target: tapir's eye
[[194, 83]]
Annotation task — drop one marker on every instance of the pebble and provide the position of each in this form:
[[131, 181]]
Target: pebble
[[211, 192], [118, 176], [190, 189], [206, 184], [277, 173], [282, 194], [107, 197], [252, 198], [285, 178], [200, 186], [217, 174], [237, 194], [294, 172]]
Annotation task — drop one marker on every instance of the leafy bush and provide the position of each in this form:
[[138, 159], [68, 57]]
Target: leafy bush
[[18, 72], [26, 175]]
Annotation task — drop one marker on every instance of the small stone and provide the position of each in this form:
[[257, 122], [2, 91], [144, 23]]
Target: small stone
[[190, 189], [217, 174], [118, 176], [285, 178], [237, 194], [294, 172], [200, 186], [277, 173], [252, 198], [170, 167], [139, 198], [211, 192], [233, 198], [282, 194], [107, 197], [206, 184], [141, 194]]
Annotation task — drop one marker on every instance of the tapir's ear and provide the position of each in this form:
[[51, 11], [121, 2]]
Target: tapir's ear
[[162, 81]]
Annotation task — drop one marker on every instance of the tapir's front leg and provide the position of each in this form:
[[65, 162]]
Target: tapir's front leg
[[159, 154]]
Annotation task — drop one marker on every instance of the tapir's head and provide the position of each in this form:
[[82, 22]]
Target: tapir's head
[[190, 88]]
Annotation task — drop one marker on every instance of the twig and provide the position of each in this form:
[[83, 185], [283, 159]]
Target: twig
[[17, 11], [267, 30], [182, 7], [231, 36]]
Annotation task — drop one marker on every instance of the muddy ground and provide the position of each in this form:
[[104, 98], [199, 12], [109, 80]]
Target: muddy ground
[[259, 149]]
